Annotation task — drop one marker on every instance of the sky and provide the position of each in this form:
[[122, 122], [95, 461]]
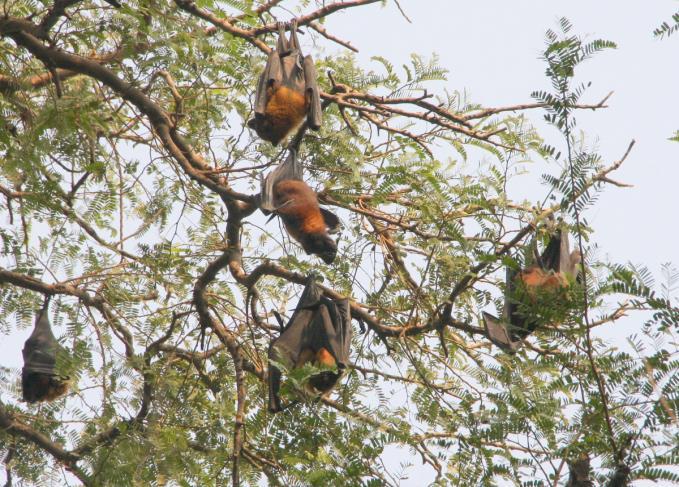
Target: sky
[[491, 49]]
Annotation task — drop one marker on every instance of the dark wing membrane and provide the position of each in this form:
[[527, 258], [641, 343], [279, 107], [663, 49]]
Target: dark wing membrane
[[551, 257], [331, 220], [270, 77], [39, 378], [287, 347], [501, 331], [318, 322], [314, 117], [567, 264], [289, 169], [498, 334], [40, 350]]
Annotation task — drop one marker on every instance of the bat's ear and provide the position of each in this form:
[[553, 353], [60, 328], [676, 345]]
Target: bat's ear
[[252, 123]]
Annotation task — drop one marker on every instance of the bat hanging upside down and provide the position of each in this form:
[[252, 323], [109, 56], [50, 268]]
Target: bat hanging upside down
[[539, 294], [40, 380], [297, 205], [287, 91], [324, 381], [318, 333]]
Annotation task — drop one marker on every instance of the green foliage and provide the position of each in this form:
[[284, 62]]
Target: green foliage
[[666, 29]]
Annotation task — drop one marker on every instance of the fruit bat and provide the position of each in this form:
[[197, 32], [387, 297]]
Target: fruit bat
[[287, 91], [39, 379], [286, 195], [318, 332], [548, 278]]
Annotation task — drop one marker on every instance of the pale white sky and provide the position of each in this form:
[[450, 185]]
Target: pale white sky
[[492, 49]]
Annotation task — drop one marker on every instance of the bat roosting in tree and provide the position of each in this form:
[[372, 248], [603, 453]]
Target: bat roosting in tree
[[319, 332], [536, 294], [297, 205], [39, 380], [286, 195], [287, 91], [322, 382]]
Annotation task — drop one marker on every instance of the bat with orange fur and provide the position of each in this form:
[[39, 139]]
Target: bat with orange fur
[[297, 205], [322, 382], [287, 91], [542, 285], [285, 194], [318, 333]]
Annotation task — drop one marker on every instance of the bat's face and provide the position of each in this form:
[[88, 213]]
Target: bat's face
[[266, 130], [42, 387], [320, 244], [324, 381]]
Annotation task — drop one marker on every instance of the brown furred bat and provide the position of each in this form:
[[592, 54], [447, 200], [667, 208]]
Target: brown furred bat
[[287, 91], [297, 205], [544, 284], [285, 194], [319, 333]]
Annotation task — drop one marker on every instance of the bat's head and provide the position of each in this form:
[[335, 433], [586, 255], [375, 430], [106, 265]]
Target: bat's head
[[267, 130], [42, 387], [320, 244], [324, 381]]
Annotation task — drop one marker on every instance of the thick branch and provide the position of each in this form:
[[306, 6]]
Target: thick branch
[[181, 151], [13, 426]]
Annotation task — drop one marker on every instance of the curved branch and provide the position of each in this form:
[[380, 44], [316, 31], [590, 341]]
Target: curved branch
[[13, 426], [192, 163]]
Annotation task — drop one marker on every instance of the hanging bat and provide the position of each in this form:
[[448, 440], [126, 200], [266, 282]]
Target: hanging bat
[[287, 91], [319, 332], [322, 382], [286, 195], [39, 379], [544, 282]]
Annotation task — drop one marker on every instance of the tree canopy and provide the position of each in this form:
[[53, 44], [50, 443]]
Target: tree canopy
[[129, 182]]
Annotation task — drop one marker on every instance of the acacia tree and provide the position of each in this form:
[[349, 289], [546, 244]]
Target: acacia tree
[[130, 187]]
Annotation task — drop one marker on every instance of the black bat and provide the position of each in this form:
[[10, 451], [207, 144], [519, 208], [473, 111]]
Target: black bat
[[553, 270], [285, 194], [39, 378], [287, 91], [319, 332]]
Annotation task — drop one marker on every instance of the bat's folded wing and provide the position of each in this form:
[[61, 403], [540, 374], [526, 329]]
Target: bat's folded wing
[[289, 169], [314, 117]]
